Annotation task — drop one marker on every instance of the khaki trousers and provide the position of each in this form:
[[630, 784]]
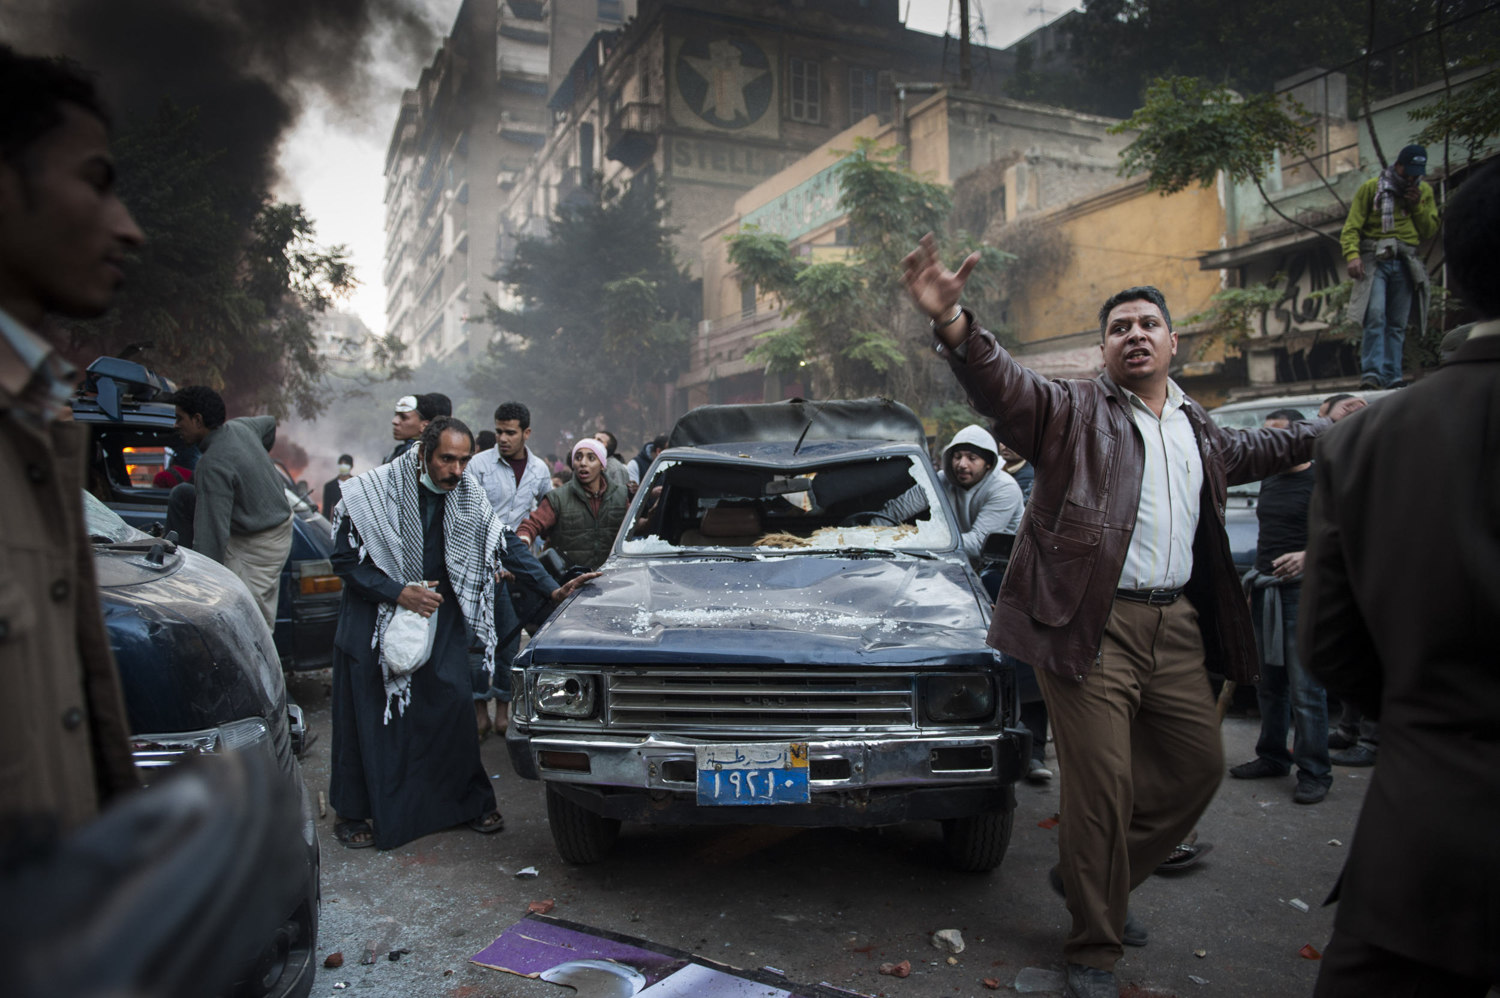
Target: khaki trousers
[[258, 559], [1139, 749]]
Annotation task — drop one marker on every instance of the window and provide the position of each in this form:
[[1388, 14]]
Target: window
[[747, 298], [612, 11], [585, 152], [863, 93], [806, 96]]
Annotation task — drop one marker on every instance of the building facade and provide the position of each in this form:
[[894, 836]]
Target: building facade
[[475, 119], [1007, 160], [714, 97]]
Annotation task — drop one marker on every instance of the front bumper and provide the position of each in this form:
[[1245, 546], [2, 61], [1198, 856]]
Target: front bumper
[[867, 780]]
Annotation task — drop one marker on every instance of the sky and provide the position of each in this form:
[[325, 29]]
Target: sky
[[334, 163]]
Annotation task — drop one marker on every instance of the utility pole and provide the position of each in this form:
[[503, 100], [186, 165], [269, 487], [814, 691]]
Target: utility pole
[[965, 63], [1043, 11]]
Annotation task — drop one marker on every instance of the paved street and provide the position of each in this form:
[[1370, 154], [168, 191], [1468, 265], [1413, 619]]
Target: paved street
[[832, 905]]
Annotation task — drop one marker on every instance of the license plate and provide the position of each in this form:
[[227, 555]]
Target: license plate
[[753, 774]]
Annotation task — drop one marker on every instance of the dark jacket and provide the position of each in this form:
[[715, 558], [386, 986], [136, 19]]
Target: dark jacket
[[1072, 542], [1402, 585], [582, 538]]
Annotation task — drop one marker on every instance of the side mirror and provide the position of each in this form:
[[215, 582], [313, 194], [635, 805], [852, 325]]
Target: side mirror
[[997, 548]]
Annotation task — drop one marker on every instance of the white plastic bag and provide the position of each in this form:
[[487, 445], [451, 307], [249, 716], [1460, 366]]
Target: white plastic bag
[[408, 641]]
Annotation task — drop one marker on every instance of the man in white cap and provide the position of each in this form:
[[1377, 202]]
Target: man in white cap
[[580, 519], [406, 426]]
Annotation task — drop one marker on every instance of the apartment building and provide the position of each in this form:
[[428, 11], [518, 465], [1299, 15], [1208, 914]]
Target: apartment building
[[475, 119]]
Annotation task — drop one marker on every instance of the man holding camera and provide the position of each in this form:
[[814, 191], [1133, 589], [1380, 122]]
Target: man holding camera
[[1391, 213]]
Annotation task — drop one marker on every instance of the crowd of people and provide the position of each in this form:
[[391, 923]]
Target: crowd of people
[[1119, 594]]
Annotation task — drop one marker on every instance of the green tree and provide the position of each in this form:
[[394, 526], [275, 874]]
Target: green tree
[[226, 287], [604, 315], [1469, 116], [1191, 131], [1113, 49], [851, 321]]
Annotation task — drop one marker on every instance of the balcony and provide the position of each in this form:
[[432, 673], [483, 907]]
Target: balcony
[[631, 134], [527, 126]]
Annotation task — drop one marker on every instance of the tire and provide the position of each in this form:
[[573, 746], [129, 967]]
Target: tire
[[977, 844], [580, 835]]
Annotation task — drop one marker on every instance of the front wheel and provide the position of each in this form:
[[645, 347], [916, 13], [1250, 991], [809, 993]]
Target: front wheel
[[580, 835], [977, 844]]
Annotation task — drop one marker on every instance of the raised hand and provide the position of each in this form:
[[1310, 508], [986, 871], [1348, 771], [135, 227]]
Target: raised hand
[[933, 288]]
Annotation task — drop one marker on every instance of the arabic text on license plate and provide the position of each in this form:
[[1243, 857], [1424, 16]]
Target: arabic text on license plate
[[753, 774]]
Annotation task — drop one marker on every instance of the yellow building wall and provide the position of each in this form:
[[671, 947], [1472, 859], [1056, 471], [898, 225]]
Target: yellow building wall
[[1119, 239]]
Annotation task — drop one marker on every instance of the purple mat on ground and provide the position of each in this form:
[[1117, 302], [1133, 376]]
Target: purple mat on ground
[[537, 944], [533, 945]]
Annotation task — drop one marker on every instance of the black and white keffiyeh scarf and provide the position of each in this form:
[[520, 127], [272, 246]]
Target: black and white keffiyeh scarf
[[384, 509], [1387, 192]]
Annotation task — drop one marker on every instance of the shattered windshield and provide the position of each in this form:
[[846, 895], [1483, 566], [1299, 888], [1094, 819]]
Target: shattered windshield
[[873, 504], [104, 524]]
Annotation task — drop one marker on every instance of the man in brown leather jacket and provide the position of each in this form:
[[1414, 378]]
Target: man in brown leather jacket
[[1120, 589], [63, 232]]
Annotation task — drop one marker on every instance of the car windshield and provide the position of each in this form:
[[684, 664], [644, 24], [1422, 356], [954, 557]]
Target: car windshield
[[299, 504], [878, 504], [104, 524]]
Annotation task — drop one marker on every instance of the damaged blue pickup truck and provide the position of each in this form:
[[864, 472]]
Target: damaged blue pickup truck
[[769, 644]]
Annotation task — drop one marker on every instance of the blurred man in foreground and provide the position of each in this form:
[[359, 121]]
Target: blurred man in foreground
[[1403, 581], [63, 237]]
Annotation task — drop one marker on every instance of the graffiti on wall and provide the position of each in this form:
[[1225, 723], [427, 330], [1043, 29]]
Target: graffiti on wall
[[1298, 317]]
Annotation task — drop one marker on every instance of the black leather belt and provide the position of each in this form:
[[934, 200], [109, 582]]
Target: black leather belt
[[1152, 597]]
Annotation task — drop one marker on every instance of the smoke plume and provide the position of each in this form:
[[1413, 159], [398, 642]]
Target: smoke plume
[[248, 65]]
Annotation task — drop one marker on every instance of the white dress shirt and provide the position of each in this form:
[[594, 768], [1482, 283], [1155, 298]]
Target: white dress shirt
[[1161, 546]]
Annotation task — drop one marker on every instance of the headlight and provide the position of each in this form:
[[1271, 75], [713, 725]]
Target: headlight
[[565, 694], [156, 752], [946, 699]]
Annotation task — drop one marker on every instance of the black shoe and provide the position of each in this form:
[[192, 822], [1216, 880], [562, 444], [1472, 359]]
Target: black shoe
[[1339, 740], [1088, 982], [1359, 755], [1134, 933], [1369, 385], [1037, 772], [1257, 769], [1309, 792]]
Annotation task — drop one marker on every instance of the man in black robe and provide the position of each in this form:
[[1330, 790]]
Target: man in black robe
[[405, 755]]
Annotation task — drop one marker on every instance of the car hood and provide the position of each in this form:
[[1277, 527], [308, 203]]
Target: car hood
[[192, 648], [814, 609]]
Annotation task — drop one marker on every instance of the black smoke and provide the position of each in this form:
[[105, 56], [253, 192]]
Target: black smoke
[[247, 65]]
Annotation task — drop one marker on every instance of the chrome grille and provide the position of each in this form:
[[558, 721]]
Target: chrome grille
[[732, 698]]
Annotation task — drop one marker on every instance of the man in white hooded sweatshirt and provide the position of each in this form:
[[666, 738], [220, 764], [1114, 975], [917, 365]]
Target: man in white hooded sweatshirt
[[985, 498]]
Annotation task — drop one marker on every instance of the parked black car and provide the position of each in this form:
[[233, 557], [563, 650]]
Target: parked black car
[[767, 645], [134, 438], [200, 675], [1239, 512]]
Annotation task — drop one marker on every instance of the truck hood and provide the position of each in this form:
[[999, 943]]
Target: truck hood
[[805, 608]]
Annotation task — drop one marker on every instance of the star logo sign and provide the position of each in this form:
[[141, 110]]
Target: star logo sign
[[726, 82]]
